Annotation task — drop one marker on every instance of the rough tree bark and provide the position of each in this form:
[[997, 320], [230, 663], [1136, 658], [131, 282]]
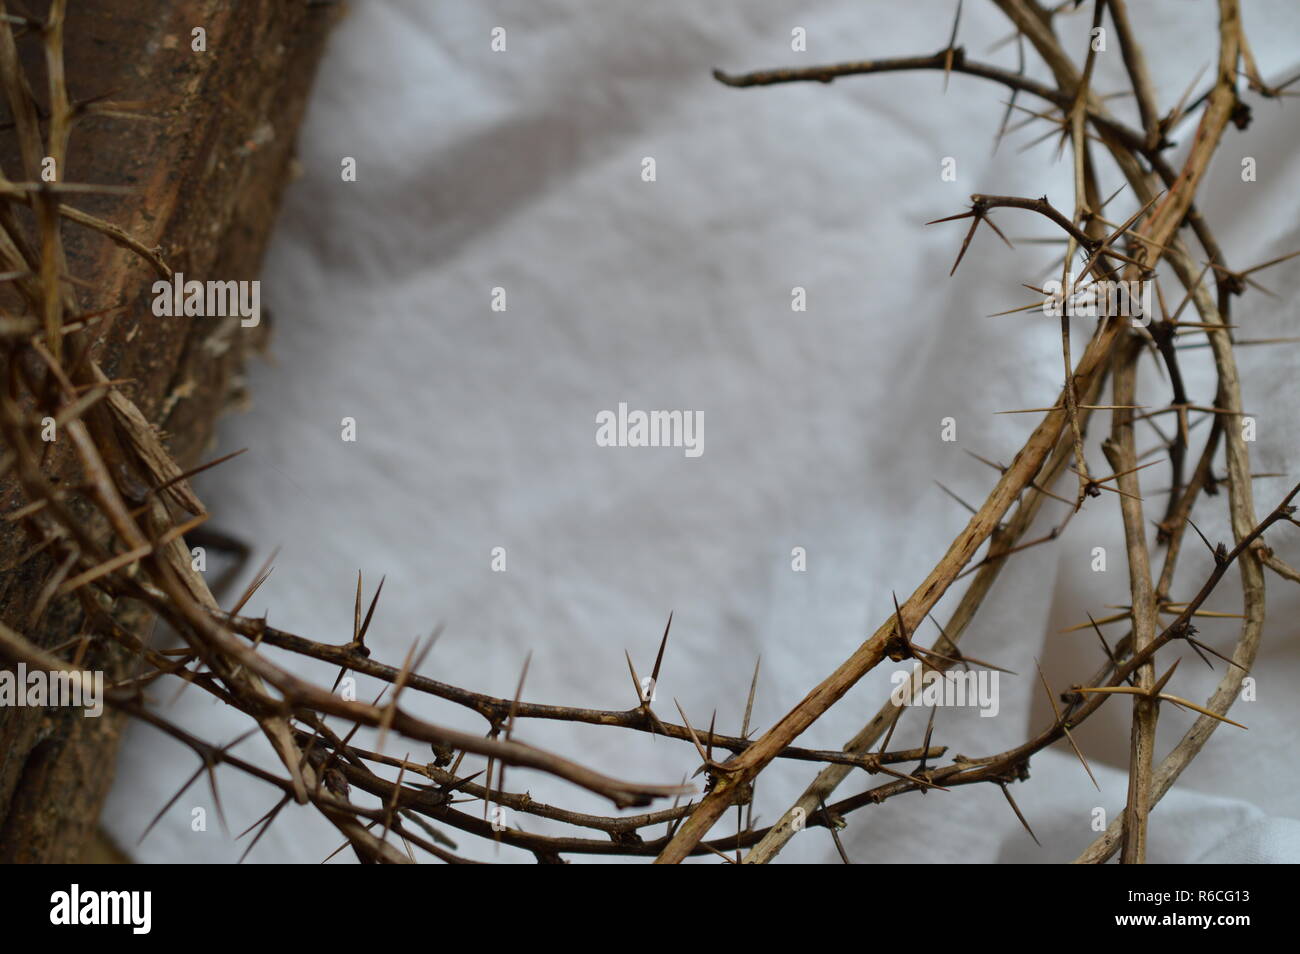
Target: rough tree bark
[[206, 140]]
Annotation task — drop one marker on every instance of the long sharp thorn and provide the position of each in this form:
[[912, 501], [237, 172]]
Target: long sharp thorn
[[365, 625], [257, 582], [641, 697], [414, 657], [708, 847], [1064, 728], [195, 471], [392, 803], [835, 835], [1110, 656], [903, 776], [984, 460], [510, 720], [993, 225], [889, 733], [519, 691], [1156, 689], [1178, 700], [356, 611], [952, 47], [965, 245], [457, 784], [172, 801], [951, 218], [1197, 649], [694, 738], [925, 746], [659, 659], [898, 618], [1209, 546], [955, 497], [749, 703], [1079, 752], [1271, 262], [1016, 808], [1214, 652], [265, 823]]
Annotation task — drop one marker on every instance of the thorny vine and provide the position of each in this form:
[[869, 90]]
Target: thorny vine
[[129, 482]]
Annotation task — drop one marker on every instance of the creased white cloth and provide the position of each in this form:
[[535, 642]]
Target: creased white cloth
[[522, 170]]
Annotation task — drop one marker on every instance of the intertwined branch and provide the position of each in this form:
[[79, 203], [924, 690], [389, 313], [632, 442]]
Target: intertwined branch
[[117, 534]]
